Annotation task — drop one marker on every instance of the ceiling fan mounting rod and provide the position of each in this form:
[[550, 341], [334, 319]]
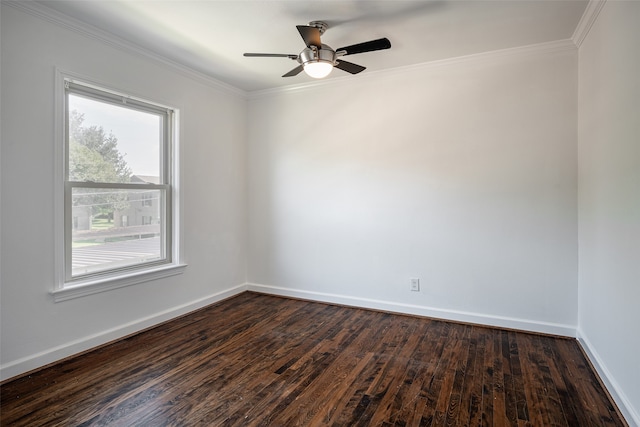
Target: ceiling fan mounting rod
[[320, 25]]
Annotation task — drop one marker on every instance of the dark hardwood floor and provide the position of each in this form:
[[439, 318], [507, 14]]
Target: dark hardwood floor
[[262, 360]]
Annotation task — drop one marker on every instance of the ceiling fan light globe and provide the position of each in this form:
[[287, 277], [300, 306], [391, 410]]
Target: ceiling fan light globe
[[318, 69]]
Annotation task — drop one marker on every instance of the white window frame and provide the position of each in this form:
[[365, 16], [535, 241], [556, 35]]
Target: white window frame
[[68, 287]]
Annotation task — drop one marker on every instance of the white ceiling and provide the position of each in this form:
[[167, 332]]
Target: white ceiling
[[211, 36]]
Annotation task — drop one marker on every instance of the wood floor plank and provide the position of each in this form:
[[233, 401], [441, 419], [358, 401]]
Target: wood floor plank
[[393, 394], [432, 387], [536, 395], [511, 400], [486, 381], [258, 360], [420, 371], [446, 372], [499, 409], [475, 385]]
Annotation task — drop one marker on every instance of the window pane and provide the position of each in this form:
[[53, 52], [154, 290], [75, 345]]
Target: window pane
[[114, 228], [110, 143]]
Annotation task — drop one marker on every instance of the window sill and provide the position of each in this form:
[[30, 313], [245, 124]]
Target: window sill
[[94, 286]]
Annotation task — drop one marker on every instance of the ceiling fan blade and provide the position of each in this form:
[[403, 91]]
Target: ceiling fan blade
[[349, 67], [294, 72], [271, 55], [310, 35], [369, 46]]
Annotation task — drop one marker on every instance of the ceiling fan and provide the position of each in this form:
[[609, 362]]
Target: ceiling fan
[[318, 59]]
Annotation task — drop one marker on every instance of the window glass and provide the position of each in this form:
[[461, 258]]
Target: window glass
[[111, 143], [117, 188], [115, 228]]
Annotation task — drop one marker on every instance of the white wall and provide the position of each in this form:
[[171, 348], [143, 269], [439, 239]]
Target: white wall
[[609, 199], [463, 175], [35, 330]]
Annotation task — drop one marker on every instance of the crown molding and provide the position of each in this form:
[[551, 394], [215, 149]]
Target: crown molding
[[547, 48], [45, 13], [586, 22]]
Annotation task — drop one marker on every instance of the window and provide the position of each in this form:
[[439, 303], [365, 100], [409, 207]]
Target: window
[[147, 199], [118, 188]]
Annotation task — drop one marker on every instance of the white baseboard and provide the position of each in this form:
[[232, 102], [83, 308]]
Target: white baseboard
[[418, 310], [630, 413], [34, 361]]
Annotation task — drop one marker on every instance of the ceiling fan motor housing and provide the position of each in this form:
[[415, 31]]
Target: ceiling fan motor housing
[[313, 54]]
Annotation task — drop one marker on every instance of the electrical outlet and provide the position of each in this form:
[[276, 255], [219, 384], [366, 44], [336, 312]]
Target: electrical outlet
[[415, 284]]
